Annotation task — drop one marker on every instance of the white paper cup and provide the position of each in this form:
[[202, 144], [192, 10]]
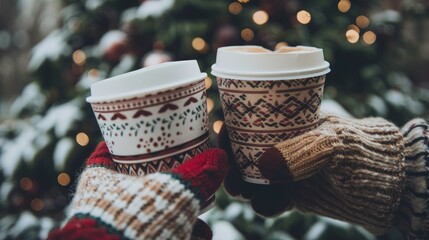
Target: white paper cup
[[153, 119], [268, 97]]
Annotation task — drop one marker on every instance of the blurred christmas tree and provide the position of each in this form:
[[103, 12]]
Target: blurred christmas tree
[[377, 64]]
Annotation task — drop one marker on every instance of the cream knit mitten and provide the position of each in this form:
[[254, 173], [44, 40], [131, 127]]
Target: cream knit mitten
[[164, 205]]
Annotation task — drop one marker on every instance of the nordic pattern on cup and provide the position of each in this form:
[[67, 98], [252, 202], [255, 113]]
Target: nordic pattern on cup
[[259, 114], [162, 165], [154, 126]]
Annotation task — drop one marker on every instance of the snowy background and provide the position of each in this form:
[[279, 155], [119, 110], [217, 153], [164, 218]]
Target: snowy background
[[51, 51]]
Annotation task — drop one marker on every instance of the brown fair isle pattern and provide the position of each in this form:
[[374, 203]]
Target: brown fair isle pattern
[[156, 206], [413, 215], [259, 114], [180, 156], [358, 170]]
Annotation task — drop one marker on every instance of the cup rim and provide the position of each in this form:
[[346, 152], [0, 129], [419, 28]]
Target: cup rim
[[192, 74], [252, 62], [267, 76]]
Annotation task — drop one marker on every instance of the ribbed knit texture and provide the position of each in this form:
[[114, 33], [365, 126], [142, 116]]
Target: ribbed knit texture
[[111, 205], [412, 217], [359, 166]]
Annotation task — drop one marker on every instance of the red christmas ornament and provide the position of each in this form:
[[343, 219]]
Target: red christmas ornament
[[115, 51], [113, 45]]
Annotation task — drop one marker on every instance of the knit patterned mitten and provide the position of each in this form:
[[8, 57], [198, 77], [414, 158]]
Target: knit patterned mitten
[[111, 205], [368, 173], [360, 170], [353, 170]]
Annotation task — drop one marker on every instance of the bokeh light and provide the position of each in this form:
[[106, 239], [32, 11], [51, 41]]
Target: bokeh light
[[79, 57], [369, 37], [37, 204], [352, 36], [303, 17], [260, 17], [362, 21], [353, 27], [344, 6], [280, 45], [235, 8], [82, 139], [217, 125], [247, 34], [208, 81], [93, 73], [244, 1], [26, 183], [199, 44], [63, 179], [210, 105]]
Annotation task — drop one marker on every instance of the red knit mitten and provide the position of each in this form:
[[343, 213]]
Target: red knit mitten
[[111, 205]]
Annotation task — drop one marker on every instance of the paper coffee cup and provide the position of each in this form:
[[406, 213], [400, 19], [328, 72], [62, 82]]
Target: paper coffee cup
[[153, 119], [268, 97]]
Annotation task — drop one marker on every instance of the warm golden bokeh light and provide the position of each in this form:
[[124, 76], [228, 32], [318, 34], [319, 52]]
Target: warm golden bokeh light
[[82, 139], [352, 36], [63, 179], [26, 184], [353, 27], [199, 44], [280, 45], [208, 81], [37, 204], [369, 37], [260, 17], [344, 6], [244, 1], [210, 105], [362, 21], [235, 8], [303, 17], [217, 125], [247, 34], [93, 73], [79, 57]]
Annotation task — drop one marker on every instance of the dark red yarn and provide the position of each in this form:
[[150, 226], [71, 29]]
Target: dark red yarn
[[205, 171], [266, 200], [274, 167], [101, 157], [201, 230], [85, 228]]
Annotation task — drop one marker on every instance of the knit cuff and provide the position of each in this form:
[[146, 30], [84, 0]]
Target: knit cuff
[[302, 156], [412, 217], [156, 206]]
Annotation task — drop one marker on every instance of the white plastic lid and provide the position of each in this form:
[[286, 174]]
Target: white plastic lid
[[257, 63], [146, 80]]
